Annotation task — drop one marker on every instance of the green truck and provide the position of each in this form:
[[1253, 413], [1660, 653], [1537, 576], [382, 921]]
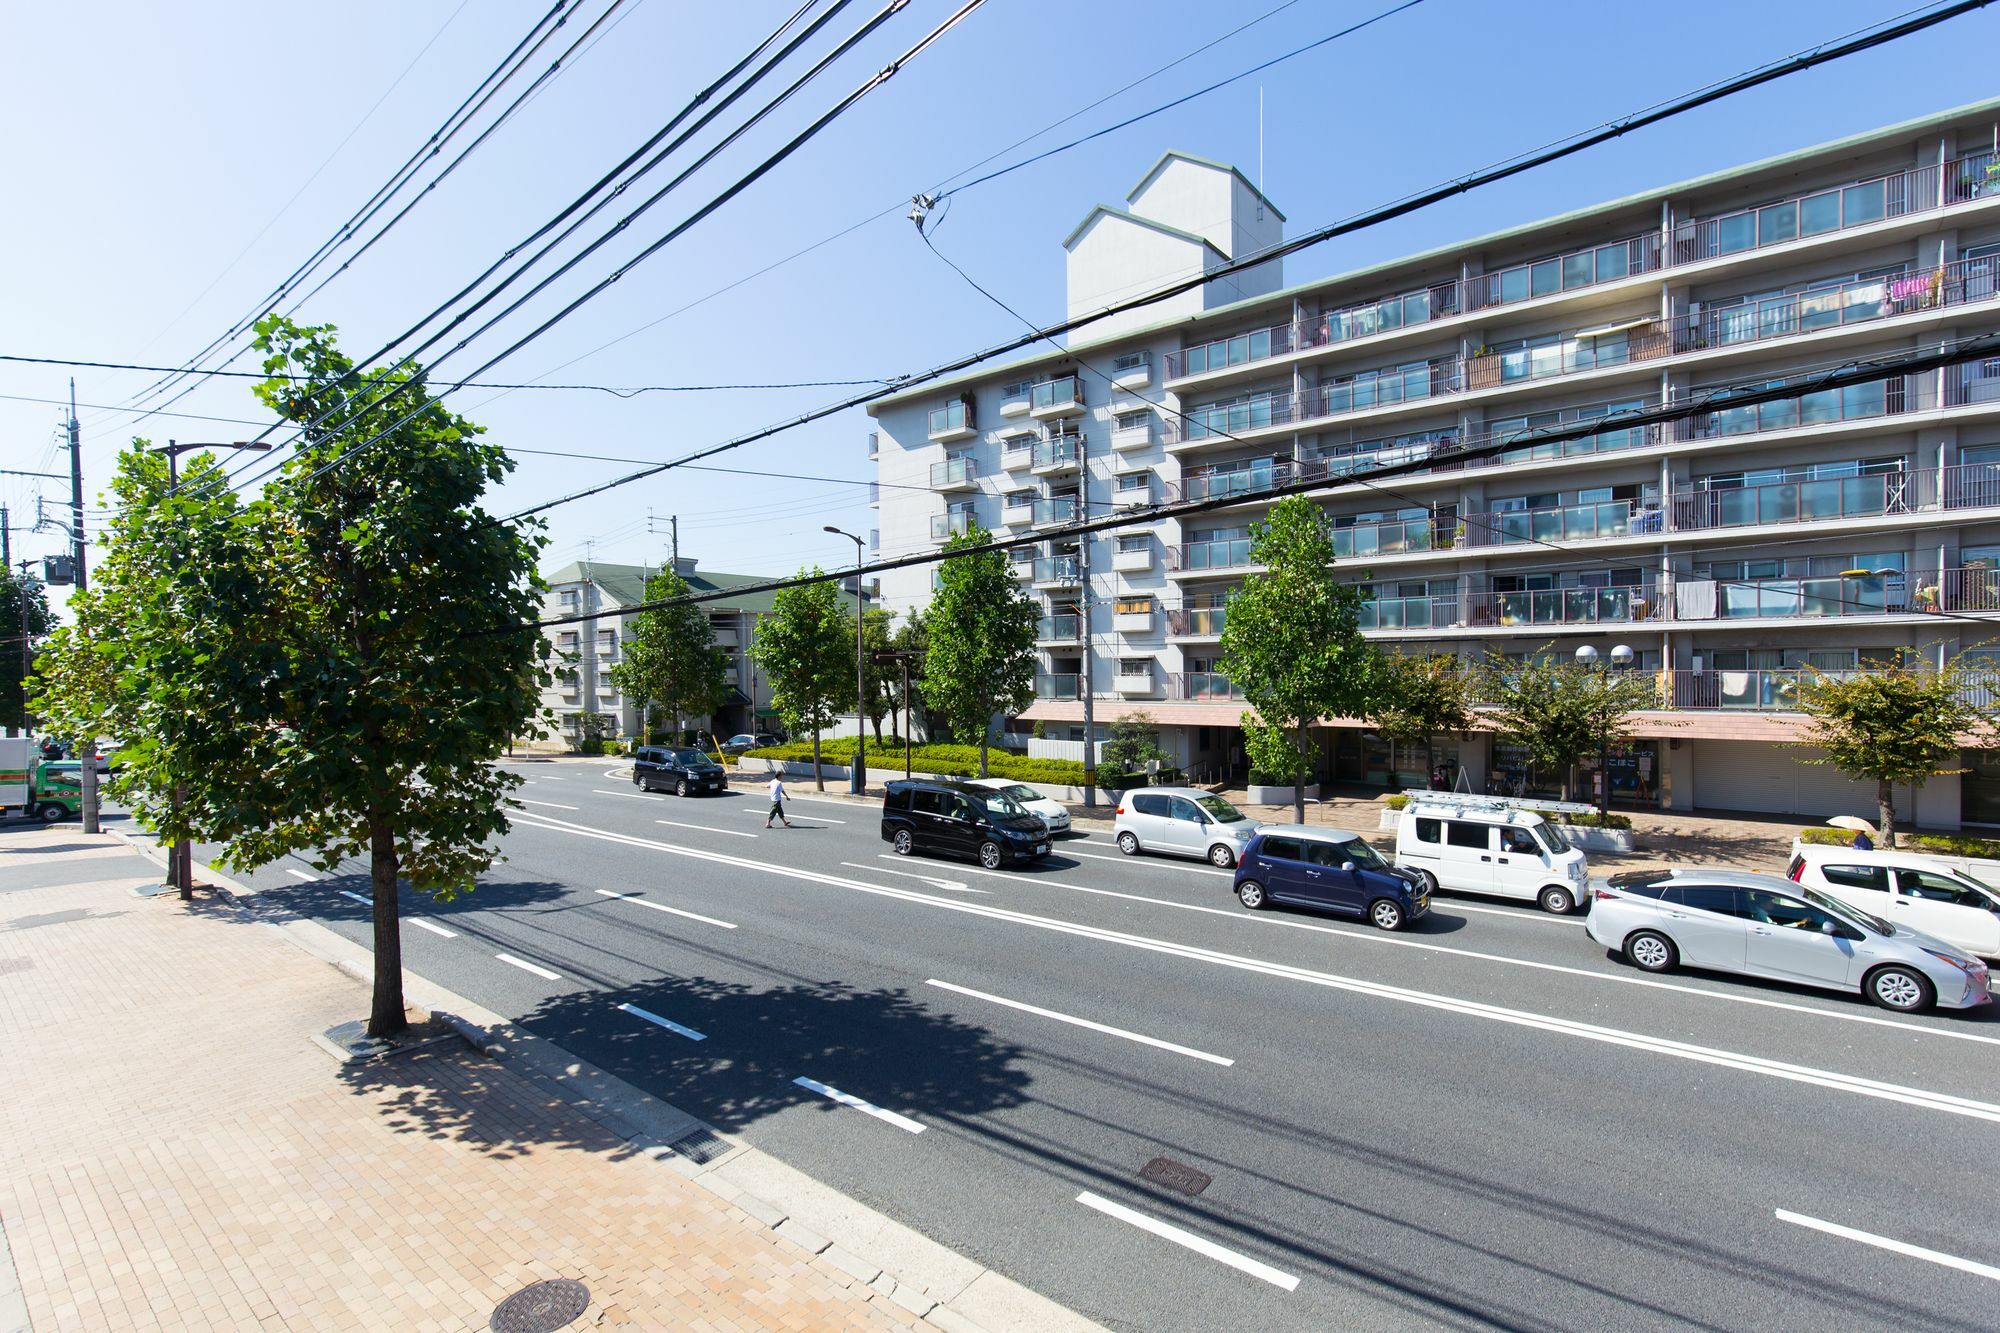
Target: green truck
[[50, 790]]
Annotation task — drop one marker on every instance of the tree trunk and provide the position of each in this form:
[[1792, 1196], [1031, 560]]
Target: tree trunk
[[818, 779], [982, 754], [1299, 783], [1885, 801], [385, 1013], [876, 723]]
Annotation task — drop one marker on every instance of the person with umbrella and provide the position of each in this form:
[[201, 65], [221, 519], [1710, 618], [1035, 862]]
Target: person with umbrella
[[1862, 842]]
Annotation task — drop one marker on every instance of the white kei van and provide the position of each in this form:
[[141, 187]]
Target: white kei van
[[1908, 888], [1465, 847]]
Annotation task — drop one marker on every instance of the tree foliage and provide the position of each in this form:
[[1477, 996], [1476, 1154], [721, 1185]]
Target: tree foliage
[[1292, 637], [1560, 711], [884, 679], [669, 655], [912, 638], [1422, 695], [24, 612], [805, 645], [1134, 743], [1891, 725], [980, 652]]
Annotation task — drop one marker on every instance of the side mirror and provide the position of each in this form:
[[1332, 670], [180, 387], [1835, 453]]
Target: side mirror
[[1828, 928], [1347, 866]]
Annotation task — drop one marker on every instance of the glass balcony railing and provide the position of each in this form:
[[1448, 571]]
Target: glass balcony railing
[[1838, 208], [1059, 629], [1061, 509], [1241, 349], [1197, 621], [1055, 393], [952, 523], [1804, 501], [952, 417], [1219, 483], [1061, 452], [1394, 613], [1058, 685], [1056, 569], [1565, 273], [1578, 522], [1563, 606], [1366, 539], [1777, 690], [1221, 553], [1202, 685], [954, 472]]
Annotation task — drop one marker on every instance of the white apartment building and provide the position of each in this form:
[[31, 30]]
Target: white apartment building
[[1729, 551]]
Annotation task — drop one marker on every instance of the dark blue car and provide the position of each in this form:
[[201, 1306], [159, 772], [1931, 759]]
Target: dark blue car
[[1328, 870]]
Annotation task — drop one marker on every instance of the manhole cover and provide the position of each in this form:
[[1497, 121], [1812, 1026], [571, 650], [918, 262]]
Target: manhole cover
[[1176, 1175], [541, 1308], [701, 1146]]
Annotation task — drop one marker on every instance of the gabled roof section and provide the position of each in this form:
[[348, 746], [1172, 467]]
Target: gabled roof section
[[626, 585], [1210, 162], [1106, 210]]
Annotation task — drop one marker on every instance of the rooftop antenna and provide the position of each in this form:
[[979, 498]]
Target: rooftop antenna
[[1260, 138]]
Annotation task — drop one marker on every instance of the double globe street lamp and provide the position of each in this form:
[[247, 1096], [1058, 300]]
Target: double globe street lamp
[[1588, 657]]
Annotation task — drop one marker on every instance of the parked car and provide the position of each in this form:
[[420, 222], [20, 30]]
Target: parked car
[[1908, 888], [1328, 870], [687, 772], [950, 817], [1765, 926], [1053, 813], [1467, 847], [1182, 821], [744, 741]]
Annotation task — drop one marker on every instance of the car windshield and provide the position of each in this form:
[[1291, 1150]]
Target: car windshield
[[1364, 856], [1003, 805], [693, 758], [1221, 811], [1850, 914], [1551, 837], [1020, 791]]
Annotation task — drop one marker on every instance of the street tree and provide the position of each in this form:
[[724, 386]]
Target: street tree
[[24, 620], [1894, 725], [1559, 711], [980, 656], [1292, 641], [669, 656], [912, 639], [1131, 749], [805, 645], [884, 678], [1422, 695]]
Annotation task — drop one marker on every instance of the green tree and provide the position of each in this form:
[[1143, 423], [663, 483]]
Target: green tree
[[805, 645], [912, 638], [1893, 725], [1422, 695], [980, 653], [1292, 640], [1559, 711], [1134, 742], [24, 619], [884, 679], [669, 656]]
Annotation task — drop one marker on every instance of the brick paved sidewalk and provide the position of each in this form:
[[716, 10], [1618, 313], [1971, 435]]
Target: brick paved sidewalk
[[176, 1153]]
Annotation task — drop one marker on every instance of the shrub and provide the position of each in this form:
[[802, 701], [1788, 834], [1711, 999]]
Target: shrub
[[1937, 844], [609, 747], [941, 761], [1396, 802], [1595, 820]]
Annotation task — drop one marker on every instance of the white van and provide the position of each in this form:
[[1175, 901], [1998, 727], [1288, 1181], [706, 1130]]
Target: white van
[[1908, 888], [1466, 846]]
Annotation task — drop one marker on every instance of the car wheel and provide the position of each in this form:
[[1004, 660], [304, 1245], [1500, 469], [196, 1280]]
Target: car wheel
[[681, 787], [1221, 857], [1900, 989], [1251, 894], [1128, 843], [989, 855], [904, 844], [51, 812], [638, 780], [1384, 914], [1556, 901], [1651, 952]]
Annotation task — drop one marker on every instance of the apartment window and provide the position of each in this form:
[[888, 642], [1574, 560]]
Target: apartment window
[[1134, 483], [1131, 361], [1019, 500], [1135, 666], [568, 598], [1132, 420], [1018, 389], [1131, 543], [1133, 606]]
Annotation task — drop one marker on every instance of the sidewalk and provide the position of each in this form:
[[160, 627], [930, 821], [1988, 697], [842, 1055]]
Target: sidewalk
[[176, 1152]]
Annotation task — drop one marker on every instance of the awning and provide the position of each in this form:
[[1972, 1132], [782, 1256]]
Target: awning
[[736, 699]]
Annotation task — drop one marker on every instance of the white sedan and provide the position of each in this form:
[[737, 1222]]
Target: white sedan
[[1053, 813]]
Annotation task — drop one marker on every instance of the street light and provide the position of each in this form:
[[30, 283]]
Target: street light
[[858, 778], [1587, 657]]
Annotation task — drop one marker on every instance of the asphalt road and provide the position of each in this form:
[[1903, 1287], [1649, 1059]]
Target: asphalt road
[[1483, 1122]]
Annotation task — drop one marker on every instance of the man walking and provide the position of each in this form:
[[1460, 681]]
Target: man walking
[[777, 803]]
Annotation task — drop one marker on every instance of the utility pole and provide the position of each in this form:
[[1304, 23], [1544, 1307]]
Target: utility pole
[[858, 778], [674, 527], [1083, 622], [86, 746]]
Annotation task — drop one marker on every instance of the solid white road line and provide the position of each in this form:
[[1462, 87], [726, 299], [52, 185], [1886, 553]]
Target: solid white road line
[[951, 885], [849, 1099], [1893, 1246], [1074, 1021], [666, 1023], [703, 828], [422, 924], [300, 874], [525, 966], [357, 897], [630, 795], [662, 907], [1128, 860], [1865, 1087], [553, 805], [1242, 1263]]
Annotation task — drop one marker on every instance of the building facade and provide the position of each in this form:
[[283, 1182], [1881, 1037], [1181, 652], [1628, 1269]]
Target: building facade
[[1730, 551]]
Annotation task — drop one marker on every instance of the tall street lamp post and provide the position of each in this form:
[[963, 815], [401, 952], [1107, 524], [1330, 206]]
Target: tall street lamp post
[[1587, 657], [858, 779]]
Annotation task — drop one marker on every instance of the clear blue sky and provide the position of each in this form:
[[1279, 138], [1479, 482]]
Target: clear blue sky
[[153, 150]]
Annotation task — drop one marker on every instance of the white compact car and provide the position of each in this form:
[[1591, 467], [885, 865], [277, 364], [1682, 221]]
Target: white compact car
[[1182, 821], [1466, 847], [1905, 887], [1053, 813]]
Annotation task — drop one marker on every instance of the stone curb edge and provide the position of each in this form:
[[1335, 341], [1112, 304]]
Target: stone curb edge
[[915, 1274]]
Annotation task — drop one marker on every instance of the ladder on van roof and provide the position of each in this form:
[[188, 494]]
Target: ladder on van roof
[[1465, 801]]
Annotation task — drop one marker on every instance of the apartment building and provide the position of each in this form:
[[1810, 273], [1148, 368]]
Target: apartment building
[[1729, 551]]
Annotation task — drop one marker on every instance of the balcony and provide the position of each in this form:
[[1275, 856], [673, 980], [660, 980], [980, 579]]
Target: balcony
[[1014, 400], [1812, 598], [1059, 397], [1138, 496], [1232, 553], [1196, 622], [1059, 571], [1565, 273], [1963, 282], [1134, 370], [1021, 569], [1134, 679], [1058, 685], [1126, 439], [1777, 691], [1055, 511], [1017, 454], [1057, 630], [1202, 685], [1133, 562], [1446, 611], [955, 474], [1578, 522], [874, 445], [1132, 622], [1238, 350], [952, 523], [1057, 455], [953, 421], [1392, 538], [1258, 477], [1018, 509]]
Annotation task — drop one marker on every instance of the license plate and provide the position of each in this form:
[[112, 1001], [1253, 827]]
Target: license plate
[[1041, 849]]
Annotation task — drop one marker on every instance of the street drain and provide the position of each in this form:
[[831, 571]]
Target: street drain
[[701, 1147], [542, 1307], [1176, 1176]]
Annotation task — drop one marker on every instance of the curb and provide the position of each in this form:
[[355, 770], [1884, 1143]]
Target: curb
[[917, 1276]]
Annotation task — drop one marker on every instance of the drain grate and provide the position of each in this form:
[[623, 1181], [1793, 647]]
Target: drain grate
[[1176, 1176], [701, 1147], [542, 1307]]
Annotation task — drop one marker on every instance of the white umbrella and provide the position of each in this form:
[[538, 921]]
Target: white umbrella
[[1855, 822]]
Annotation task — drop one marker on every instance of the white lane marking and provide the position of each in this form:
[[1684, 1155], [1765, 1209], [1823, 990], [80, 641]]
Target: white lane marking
[[765, 810], [300, 874], [1400, 942], [1074, 1021], [630, 795], [849, 1099], [548, 777], [1865, 1087], [526, 966], [662, 907], [422, 924], [666, 1023], [1199, 870], [703, 828], [357, 897], [949, 884], [1893, 1246], [1242, 1263], [553, 805]]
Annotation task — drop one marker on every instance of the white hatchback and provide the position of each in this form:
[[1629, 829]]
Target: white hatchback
[[1905, 887], [1053, 813]]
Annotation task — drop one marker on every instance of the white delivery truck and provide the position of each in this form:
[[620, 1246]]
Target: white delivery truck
[[38, 788], [1493, 846]]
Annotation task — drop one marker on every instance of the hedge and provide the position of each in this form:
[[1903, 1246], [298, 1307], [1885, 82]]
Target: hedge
[[950, 761], [1979, 849]]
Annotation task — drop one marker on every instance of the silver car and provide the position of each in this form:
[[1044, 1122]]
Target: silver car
[[1765, 926], [1182, 821]]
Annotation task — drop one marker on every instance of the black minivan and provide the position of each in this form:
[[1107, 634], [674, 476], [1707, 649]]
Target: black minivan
[[943, 815], [686, 771]]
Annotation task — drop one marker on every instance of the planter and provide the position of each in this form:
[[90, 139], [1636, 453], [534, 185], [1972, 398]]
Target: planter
[[1262, 795], [1598, 839]]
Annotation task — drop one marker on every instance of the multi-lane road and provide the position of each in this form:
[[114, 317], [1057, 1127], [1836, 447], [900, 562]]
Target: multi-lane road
[[1482, 1122]]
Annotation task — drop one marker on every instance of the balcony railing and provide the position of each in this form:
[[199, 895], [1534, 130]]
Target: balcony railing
[[1058, 685], [953, 417], [1056, 569], [1368, 539], [1196, 621], [1900, 193], [1201, 685], [1062, 392], [1059, 629], [1445, 611], [1241, 349], [1061, 509], [1221, 553], [1220, 483], [1562, 606], [953, 472], [951, 523], [1777, 690], [1565, 273], [1061, 451], [1963, 282], [1610, 518]]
